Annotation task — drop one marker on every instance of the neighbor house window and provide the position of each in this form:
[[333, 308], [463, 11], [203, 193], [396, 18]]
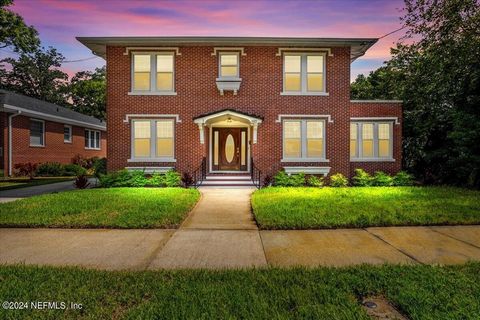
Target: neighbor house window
[[229, 65], [67, 134], [371, 140], [153, 139], [92, 139], [303, 140], [37, 133], [304, 73], [153, 72]]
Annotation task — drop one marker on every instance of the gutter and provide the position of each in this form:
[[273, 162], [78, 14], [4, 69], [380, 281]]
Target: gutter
[[10, 141]]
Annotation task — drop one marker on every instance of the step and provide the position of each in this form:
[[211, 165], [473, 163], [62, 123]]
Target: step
[[229, 178], [227, 182]]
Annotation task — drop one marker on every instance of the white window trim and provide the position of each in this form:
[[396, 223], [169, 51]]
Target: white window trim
[[43, 133], [90, 132], [70, 134], [153, 142], [375, 158], [303, 139], [303, 75], [153, 75], [220, 53]]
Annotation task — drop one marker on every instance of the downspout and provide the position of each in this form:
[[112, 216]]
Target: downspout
[[10, 141]]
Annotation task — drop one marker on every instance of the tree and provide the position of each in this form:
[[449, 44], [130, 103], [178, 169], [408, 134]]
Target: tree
[[87, 91], [14, 32], [439, 82], [36, 75], [384, 83]]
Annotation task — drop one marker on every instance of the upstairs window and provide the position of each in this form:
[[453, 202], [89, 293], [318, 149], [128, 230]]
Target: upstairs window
[[304, 73], [371, 140], [37, 133], [92, 139], [229, 65], [153, 73], [303, 140]]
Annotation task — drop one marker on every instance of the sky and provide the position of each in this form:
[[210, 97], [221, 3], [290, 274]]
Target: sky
[[60, 21]]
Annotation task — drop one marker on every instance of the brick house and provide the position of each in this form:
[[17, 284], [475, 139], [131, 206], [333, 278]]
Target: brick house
[[243, 104], [36, 131]]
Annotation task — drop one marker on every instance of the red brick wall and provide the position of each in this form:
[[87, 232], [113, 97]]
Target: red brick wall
[[55, 150], [259, 94]]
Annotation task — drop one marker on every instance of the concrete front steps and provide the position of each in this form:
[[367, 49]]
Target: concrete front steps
[[217, 180]]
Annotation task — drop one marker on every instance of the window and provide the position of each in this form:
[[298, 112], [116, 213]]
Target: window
[[67, 134], [371, 140], [153, 140], [304, 73], [92, 139], [153, 72], [37, 133], [229, 65], [303, 140]]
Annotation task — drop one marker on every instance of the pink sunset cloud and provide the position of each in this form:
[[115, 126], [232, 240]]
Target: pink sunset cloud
[[59, 22]]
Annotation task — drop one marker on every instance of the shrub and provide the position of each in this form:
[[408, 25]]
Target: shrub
[[115, 179], [381, 179], [137, 179], [403, 178], [86, 163], [26, 169], [156, 180], [281, 179], [297, 180], [338, 180], [187, 180], [81, 182], [99, 167], [172, 179], [314, 181], [73, 170], [361, 178], [50, 169]]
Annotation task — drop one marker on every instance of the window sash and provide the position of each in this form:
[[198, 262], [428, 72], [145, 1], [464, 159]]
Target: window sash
[[308, 140], [379, 139], [37, 133], [159, 142], [67, 133], [161, 75], [306, 78], [92, 139], [223, 66]]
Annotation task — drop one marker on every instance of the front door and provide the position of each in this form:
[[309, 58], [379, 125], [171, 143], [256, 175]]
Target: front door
[[229, 149]]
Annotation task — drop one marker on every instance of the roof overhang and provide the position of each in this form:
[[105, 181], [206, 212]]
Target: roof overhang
[[98, 45], [227, 114], [49, 117]]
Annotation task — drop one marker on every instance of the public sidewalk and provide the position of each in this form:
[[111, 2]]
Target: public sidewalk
[[220, 233]]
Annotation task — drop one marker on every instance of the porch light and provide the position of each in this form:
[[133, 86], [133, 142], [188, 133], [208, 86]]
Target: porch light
[[229, 119]]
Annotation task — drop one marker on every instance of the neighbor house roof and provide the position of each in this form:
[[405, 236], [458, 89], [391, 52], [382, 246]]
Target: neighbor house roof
[[14, 102], [358, 46]]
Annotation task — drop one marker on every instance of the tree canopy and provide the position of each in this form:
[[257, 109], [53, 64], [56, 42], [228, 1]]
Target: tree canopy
[[87, 91], [14, 32]]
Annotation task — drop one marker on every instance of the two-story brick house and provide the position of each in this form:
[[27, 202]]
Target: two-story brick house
[[276, 102]]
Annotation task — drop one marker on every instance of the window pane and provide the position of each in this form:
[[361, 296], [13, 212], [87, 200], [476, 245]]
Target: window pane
[[353, 131], [165, 81], [291, 129], [142, 147], [315, 148], [293, 148], [228, 59], [165, 129], [87, 139], [228, 71], [141, 63], [92, 139], [367, 151], [292, 63], [164, 63], [141, 129], [367, 131], [292, 82], [315, 82], [36, 133], [384, 148], [141, 81], [97, 139], [314, 129], [353, 148], [67, 135], [383, 131], [315, 64], [165, 138]]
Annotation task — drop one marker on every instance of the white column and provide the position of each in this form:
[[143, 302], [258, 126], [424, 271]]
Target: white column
[[202, 135], [255, 126]]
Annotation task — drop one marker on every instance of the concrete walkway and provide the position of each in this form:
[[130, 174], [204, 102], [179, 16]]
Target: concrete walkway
[[15, 194], [218, 235]]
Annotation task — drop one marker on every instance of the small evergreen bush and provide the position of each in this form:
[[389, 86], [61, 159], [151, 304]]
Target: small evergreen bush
[[50, 169], [99, 167], [297, 180], [73, 170], [338, 180], [381, 179], [281, 179], [172, 179], [361, 178], [314, 181], [403, 178]]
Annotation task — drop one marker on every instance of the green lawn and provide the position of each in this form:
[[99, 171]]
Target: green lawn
[[109, 208], [310, 208], [419, 292], [15, 183]]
